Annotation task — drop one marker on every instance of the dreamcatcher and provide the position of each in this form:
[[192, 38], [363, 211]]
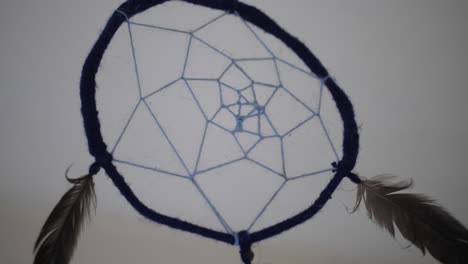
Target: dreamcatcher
[[216, 115]]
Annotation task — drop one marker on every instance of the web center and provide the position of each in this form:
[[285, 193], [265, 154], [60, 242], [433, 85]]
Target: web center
[[246, 110]]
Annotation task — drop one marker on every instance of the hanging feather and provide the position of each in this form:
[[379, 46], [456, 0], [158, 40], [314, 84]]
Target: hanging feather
[[57, 239], [419, 218]]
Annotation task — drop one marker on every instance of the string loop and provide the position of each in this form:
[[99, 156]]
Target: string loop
[[352, 176], [245, 244], [94, 168]]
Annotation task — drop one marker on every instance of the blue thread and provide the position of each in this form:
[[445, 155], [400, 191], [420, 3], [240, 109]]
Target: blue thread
[[125, 127], [256, 35], [266, 167], [132, 45], [254, 59], [327, 134], [283, 159], [323, 80], [296, 67], [162, 88], [208, 23], [300, 101], [151, 169], [298, 125], [213, 208], [266, 205], [122, 13], [220, 165], [158, 27], [200, 149], [311, 174], [236, 239], [270, 123], [167, 138], [199, 79], [212, 47], [187, 54], [196, 100]]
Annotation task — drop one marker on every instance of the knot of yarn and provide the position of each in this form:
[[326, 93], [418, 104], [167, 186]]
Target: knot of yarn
[[232, 5], [105, 158], [245, 245], [101, 160], [335, 166], [340, 166], [352, 176], [94, 168]]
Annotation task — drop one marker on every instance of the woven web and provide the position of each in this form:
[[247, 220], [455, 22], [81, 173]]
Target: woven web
[[239, 101]]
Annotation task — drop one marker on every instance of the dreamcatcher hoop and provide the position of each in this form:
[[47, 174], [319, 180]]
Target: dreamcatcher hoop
[[419, 219], [98, 148]]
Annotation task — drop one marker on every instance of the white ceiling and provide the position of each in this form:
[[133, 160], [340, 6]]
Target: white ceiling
[[403, 64]]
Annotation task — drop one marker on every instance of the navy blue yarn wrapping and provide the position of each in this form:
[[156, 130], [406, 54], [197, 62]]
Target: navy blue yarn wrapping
[[98, 148]]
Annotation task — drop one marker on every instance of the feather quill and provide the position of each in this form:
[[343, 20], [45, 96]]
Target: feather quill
[[57, 239], [419, 218]]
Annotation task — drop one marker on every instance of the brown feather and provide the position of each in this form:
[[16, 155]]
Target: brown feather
[[419, 219], [57, 239]]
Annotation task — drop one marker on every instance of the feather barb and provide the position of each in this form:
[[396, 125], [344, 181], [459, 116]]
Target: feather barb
[[57, 238], [420, 220]]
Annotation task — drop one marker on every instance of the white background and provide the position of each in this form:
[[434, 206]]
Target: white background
[[403, 64]]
